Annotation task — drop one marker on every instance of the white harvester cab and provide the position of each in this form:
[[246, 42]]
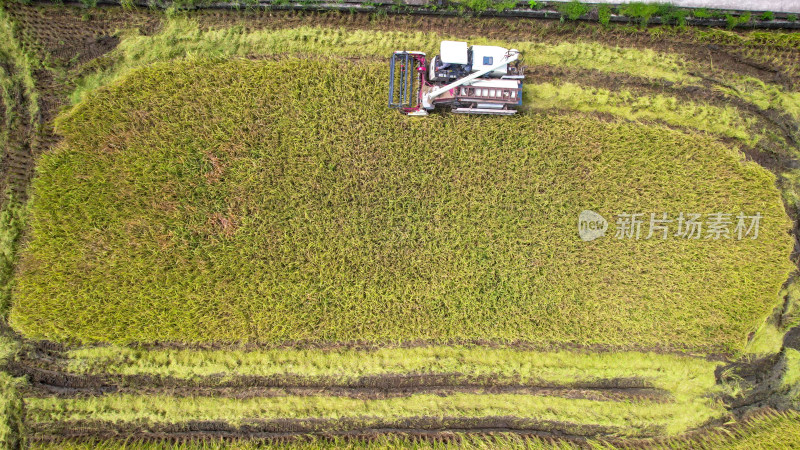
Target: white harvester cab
[[481, 79], [454, 52]]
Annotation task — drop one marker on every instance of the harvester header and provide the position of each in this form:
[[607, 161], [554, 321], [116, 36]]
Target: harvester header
[[480, 79]]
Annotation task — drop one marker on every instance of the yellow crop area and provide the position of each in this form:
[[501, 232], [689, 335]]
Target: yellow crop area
[[210, 201]]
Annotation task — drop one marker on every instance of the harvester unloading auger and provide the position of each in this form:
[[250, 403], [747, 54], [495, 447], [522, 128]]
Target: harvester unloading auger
[[480, 79]]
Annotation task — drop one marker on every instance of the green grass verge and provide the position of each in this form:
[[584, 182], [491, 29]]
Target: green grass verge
[[168, 218]]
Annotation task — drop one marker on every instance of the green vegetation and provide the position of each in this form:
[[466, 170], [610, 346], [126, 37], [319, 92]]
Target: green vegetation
[[480, 6], [704, 13], [790, 180], [503, 5], [735, 21], [213, 226], [181, 37], [573, 10], [766, 15], [645, 11], [792, 375], [477, 5], [604, 14], [674, 15], [639, 10]]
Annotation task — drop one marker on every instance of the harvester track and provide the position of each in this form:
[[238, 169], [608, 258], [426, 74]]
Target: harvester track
[[297, 428], [46, 382]]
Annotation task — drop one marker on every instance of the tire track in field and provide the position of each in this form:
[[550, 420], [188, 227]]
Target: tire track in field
[[616, 395], [44, 382], [271, 430]]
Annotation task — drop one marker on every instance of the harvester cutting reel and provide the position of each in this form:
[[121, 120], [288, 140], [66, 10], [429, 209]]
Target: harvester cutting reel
[[480, 79]]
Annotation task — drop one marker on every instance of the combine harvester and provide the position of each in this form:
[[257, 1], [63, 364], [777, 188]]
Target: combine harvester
[[480, 79]]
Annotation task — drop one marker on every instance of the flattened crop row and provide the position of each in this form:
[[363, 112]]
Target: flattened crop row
[[288, 427]]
